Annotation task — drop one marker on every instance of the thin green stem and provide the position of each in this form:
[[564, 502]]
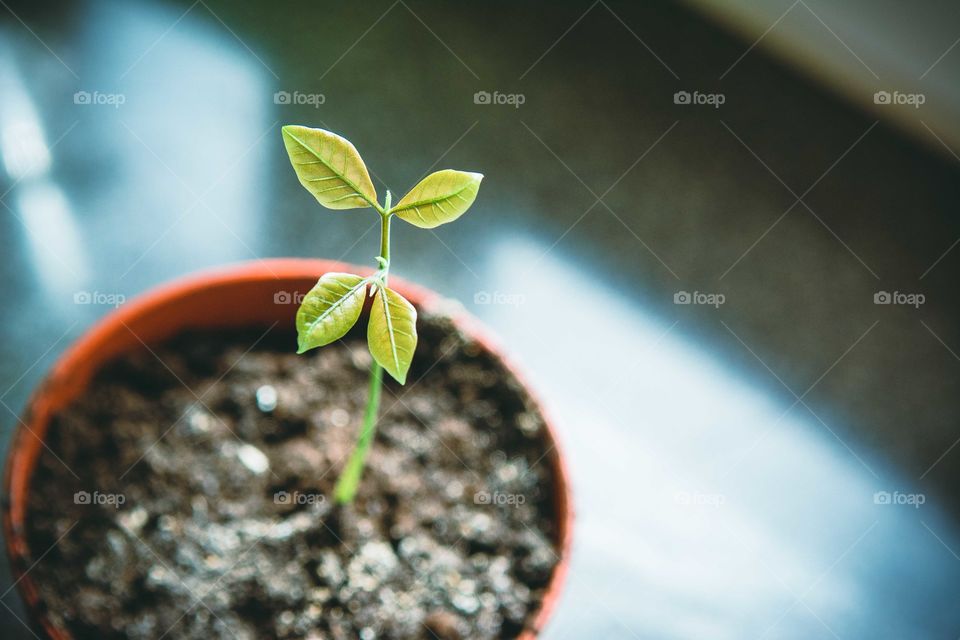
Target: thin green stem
[[383, 260], [349, 480], [385, 209], [346, 489], [385, 243]]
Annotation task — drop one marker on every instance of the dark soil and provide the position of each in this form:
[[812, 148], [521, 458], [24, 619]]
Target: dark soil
[[210, 518]]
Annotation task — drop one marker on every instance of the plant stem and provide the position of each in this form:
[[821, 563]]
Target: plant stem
[[385, 234], [350, 476], [346, 489]]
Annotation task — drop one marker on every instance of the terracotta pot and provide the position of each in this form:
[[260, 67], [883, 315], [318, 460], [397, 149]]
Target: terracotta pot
[[241, 295]]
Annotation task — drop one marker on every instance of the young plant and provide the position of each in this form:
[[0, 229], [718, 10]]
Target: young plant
[[330, 168]]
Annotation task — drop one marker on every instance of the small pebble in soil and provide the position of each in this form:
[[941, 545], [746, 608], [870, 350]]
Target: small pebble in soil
[[134, 519], [339, 418], [252, 458], [267, 398]]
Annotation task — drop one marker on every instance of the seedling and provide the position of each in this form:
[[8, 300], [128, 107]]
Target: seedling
[[330, 168]]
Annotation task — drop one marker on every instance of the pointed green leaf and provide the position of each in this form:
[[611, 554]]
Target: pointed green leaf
[[392, 332], [329, 309], [439, 198], [329, 167]]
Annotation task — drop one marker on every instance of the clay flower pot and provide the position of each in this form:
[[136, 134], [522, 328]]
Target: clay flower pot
[[231, 297]]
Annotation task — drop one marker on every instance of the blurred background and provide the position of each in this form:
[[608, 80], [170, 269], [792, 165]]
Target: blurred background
[[721, 237]]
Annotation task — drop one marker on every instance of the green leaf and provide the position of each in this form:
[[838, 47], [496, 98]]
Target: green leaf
[[329, 309], [392, 332], [330, 168], [439, 198]]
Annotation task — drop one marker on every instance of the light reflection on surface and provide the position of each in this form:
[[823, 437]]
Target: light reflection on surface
[[185, 152], [58, 256], [22, 144], [703, 510], [25, 152]]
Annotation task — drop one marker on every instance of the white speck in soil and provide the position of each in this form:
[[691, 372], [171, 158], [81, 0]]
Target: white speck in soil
[[467, 604], [373, 564], [361, 359], [528, 423], [508, 472], [267, 398], [134, 519], [454, 490], [199, 421], [252, 458], [339, 418]]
